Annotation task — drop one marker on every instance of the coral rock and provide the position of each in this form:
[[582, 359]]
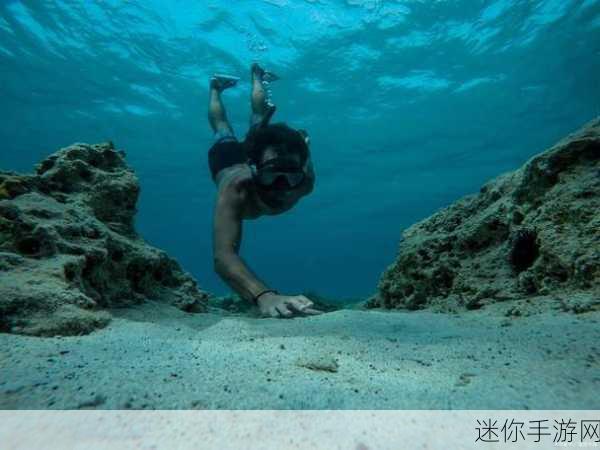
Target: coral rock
[[68, 247], [532, 231]]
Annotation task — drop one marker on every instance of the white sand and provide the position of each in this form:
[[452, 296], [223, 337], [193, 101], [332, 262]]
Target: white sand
[[155, 356]]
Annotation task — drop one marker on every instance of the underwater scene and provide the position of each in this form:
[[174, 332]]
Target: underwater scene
[[300, 204]]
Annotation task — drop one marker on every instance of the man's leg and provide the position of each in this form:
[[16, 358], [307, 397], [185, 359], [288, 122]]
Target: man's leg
[[216, 110], [260, 99]]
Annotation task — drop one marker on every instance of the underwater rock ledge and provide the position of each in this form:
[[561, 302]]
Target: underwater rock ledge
[[531, 232], [68, 246]]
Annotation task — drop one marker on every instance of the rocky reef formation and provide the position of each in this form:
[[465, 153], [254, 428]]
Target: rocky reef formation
[[68, 247], [532, 232]]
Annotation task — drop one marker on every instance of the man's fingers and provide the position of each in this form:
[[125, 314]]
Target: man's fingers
[[283, 311], [304, 300], [288, 307], [304, 307], [299, 305], [311, 311]]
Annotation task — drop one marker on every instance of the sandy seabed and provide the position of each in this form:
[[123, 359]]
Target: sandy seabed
[[155, 356]]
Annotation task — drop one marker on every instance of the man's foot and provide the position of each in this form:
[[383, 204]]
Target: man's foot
[[221, 82], [262, 74]]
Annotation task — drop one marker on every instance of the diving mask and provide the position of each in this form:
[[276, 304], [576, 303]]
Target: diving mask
[[278, 175]]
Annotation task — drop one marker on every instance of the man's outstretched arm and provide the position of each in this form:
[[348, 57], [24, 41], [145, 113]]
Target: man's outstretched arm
[[227, 236]]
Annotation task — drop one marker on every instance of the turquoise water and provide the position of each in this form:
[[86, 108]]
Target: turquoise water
[[409, 104]]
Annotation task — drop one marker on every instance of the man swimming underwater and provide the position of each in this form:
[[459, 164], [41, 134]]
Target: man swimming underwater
[[264, 175]]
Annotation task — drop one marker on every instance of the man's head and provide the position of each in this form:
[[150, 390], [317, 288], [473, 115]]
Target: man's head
[[277, 154], [281, 139]]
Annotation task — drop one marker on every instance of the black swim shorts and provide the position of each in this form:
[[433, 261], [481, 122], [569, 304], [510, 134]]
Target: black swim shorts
[[225, 152]]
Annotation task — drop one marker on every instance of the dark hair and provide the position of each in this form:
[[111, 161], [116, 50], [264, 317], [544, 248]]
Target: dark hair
[[284, 139]]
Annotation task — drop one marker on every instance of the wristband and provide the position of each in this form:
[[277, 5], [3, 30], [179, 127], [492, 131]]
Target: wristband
[[255, 299]]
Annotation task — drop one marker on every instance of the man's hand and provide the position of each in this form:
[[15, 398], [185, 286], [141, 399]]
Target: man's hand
[[283, 306]]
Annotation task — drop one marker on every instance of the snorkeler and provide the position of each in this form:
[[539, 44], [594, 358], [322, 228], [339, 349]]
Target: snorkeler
[[264, 175]]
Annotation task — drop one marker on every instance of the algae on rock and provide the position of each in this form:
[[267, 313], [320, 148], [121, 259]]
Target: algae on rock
[[68, 247], [534, 231]]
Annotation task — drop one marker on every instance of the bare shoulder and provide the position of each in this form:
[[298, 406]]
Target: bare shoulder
[[233, 183]]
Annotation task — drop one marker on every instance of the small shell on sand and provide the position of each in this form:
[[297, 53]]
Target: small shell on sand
[[323, 363]]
